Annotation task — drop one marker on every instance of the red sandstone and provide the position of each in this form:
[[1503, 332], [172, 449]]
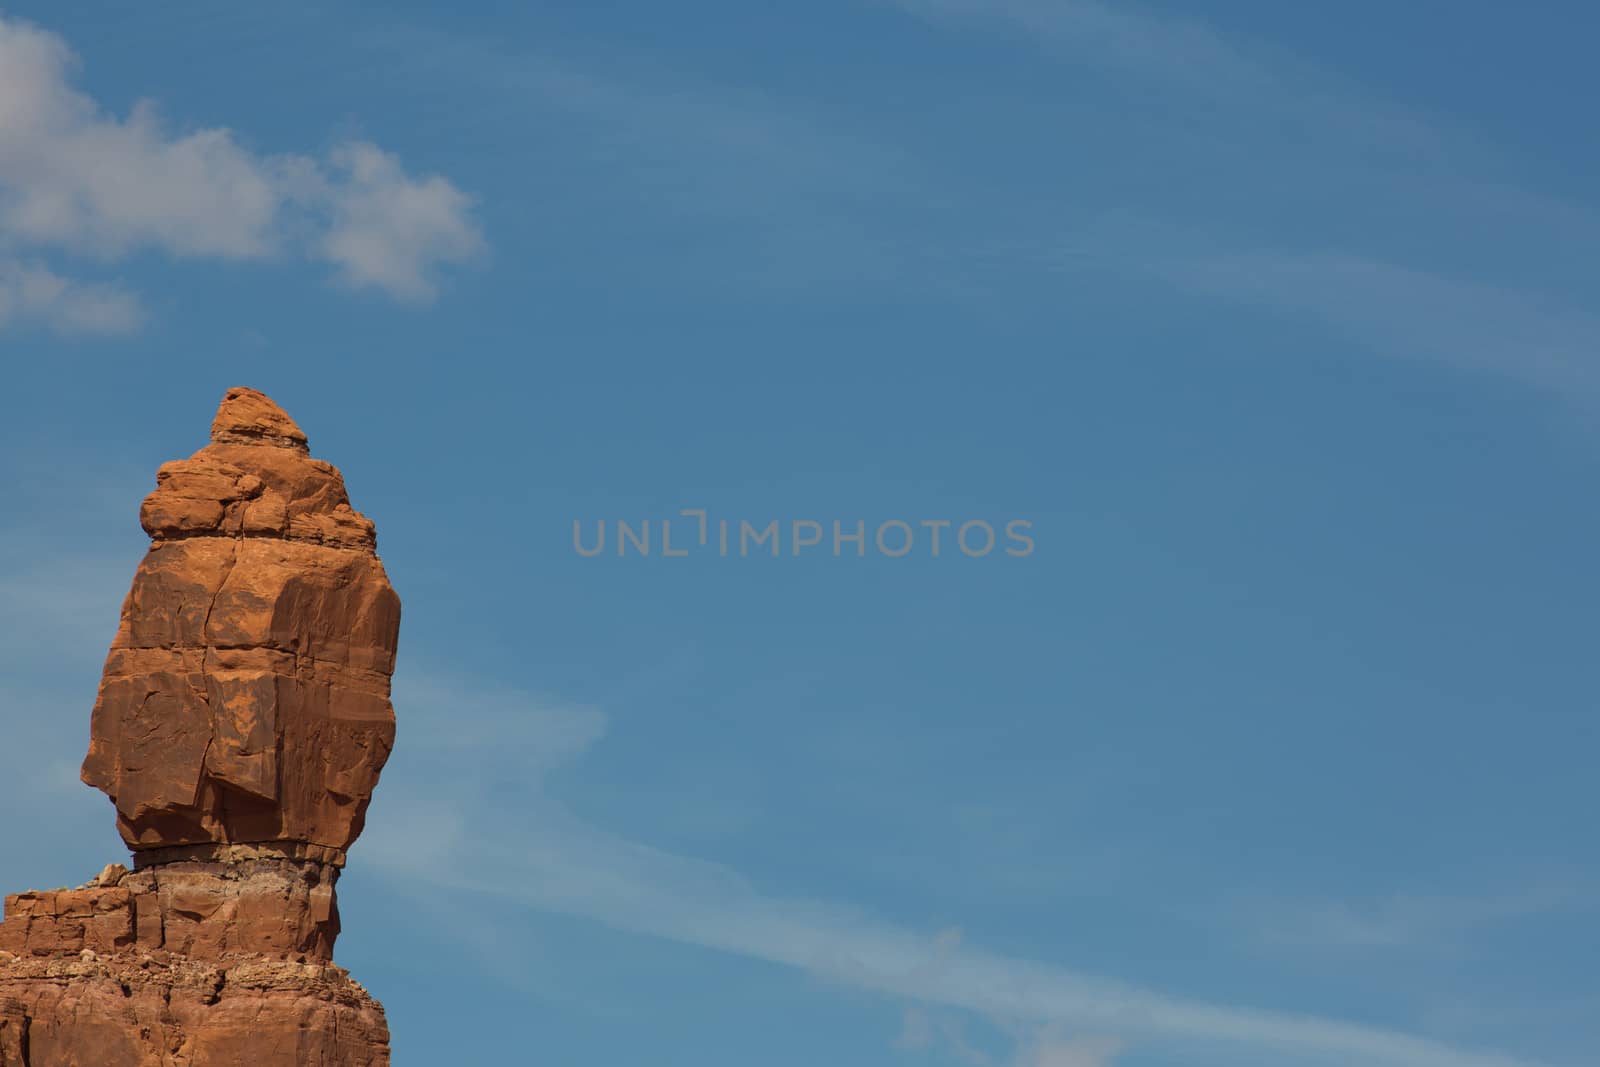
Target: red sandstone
[[242, 723]]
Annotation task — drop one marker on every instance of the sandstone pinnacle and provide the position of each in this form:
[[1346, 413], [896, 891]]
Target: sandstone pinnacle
[[242, 721], [246, 695]]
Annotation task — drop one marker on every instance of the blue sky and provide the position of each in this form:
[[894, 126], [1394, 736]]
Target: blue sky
[[1276, 322]]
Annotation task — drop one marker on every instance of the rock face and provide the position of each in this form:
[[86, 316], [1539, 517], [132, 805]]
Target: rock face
[[242, 721], [261, 623]]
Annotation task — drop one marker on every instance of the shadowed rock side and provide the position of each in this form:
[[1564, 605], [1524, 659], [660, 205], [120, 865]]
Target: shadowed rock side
[[242, 722]]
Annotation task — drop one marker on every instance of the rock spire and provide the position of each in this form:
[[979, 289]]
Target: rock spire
[[242, 721]]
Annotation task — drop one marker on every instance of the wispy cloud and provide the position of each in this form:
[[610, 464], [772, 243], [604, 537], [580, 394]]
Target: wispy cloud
[[1413, 314], [731, 184], [77, 180], [1038, 1046], [1168, 47], [1051, 1051], [73, 543], [1258, 84], [1402, 920], [1317, 143], [58, 613], [32, 292], [542, 856]]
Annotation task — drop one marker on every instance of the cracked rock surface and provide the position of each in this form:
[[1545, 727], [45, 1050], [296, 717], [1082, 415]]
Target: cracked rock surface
[[246, 695], [242, 721]]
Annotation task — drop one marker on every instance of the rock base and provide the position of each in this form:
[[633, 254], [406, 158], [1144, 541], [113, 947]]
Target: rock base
[[194, 963], [157, 1009]]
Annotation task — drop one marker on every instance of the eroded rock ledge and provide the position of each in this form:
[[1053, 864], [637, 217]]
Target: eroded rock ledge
[[186, 964], [205, 910], [164, 1010]]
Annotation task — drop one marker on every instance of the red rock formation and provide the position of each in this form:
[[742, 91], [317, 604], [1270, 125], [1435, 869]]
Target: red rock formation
[[242, 722], [260, 623]]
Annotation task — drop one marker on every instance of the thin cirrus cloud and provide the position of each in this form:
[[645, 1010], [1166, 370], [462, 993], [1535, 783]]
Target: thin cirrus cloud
[[32, 292], [1409, 313], [1351, 150], [1116, 35], [79, 181], [548, 859], [1256, 81], [1484, 277], [1044, 1046], [1403, 920]]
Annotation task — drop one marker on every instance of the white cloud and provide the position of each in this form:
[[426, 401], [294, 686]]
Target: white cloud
[[31, 292], [78, 180], [389, 229]]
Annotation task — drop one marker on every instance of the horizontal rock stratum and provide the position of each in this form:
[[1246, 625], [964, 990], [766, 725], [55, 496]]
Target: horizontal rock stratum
[[242, 722]]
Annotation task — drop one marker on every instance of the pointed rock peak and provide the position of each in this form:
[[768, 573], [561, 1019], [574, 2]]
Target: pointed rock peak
[[248, 417]]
